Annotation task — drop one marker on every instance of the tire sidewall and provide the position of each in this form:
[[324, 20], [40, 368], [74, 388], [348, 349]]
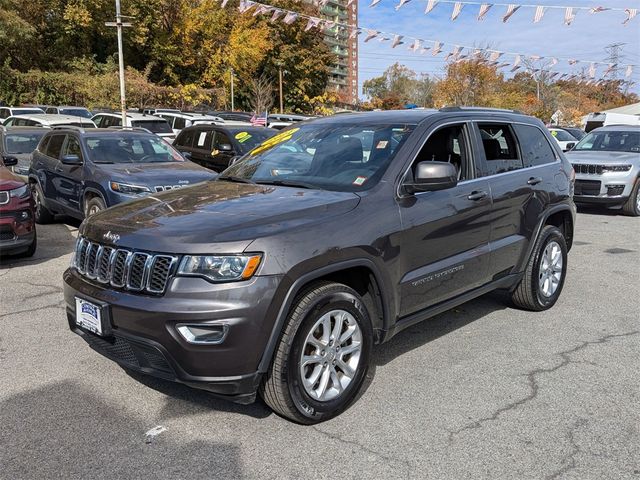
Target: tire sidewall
[[549, 235], [308, 407], [94, 201], [39, 205]]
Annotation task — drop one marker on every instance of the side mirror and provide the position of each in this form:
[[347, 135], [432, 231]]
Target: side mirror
[[430, 176], [569, 146], [225, 147], [186, 155], [9, 161], [71, 160]]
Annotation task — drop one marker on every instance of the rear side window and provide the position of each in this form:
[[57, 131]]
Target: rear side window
[[154, 126], [500, 148], [179, 123], [54, 146], [185, 139], [534, 146]]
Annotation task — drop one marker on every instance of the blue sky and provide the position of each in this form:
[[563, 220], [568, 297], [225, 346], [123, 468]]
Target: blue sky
[[585, 39]]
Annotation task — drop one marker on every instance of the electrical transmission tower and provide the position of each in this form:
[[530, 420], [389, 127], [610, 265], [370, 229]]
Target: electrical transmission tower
[[614, 52]]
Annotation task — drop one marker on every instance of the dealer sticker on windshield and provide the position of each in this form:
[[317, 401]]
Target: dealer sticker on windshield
[[359, 181]]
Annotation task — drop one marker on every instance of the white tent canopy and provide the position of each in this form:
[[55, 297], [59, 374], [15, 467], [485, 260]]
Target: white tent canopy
[[633, 109]]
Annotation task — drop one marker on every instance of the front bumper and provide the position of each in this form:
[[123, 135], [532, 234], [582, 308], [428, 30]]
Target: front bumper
[[144, 338], [610, 188], [16, 233]]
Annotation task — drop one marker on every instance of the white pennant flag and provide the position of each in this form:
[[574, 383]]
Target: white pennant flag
[[354, 33], [261, 10], [431, 4], [245, 6], [572, 61], [313, 22], [484, 9], [540, 9], [455, 53], [424, 50], [290, 17], [569, 16], [224, 3], [457, 8], [437, 48], [416, 45], [329, 24], [597, 9], [535, 58], [592, 70], [401, 4], [276, 14], [350, 2], [397, 40], [629, 71], [516, 63], [511, 9], [371, 34], [494, 56], [554, 61], [374, 3], [631, 13]]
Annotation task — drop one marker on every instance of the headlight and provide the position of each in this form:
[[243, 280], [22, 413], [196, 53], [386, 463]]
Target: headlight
[[616, 168], [22, 192], [127, 189], [220, 268]]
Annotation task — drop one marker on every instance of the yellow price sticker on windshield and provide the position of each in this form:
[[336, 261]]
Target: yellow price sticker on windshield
[[275, 140], [243, 136]]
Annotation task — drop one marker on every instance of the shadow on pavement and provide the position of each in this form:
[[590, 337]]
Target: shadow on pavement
[[599, 210], [54, 240], [63, 430]]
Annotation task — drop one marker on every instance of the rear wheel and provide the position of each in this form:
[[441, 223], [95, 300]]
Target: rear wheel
[[632, 206], [93, 206], [544, 276], [323, 356], [42, 214]]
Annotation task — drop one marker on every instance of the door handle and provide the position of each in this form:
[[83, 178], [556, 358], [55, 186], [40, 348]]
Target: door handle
[[477, 195], [534, 180], [59, 170]]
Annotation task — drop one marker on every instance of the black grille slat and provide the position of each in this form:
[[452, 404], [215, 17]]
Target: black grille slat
[[589, 169], [134, 271]]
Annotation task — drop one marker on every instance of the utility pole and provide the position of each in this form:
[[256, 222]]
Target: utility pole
[[119, 25], [232, 100], [281, 99]]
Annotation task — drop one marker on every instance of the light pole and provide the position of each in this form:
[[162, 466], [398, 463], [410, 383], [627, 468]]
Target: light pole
[[119, 25], [281, 100], [232, 100]]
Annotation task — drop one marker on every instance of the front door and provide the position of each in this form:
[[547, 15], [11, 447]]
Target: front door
[[69, 177], [445, 233], [222, 151]]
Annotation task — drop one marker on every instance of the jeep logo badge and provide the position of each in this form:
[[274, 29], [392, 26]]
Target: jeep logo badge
[[112, 237]]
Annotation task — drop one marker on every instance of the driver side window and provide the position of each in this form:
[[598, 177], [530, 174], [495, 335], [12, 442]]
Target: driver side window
[[72, 147], [447, 144]]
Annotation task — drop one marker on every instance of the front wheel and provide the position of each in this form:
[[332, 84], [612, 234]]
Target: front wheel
[[544, 276], [323, 357], [42, 214], [632, 205], [94, 206]]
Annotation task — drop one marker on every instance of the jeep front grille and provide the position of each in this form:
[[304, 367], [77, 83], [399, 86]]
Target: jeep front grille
[[124, 268], [588, 168]]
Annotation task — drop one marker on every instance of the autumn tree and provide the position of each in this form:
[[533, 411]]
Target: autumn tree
[[468, 82], [398, 86]]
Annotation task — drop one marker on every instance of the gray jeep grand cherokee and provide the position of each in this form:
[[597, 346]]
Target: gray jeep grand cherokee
[[279, 276]]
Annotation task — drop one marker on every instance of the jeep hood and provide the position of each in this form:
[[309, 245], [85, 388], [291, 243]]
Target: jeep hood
[[195, 219], [590, 156], [157, 174]]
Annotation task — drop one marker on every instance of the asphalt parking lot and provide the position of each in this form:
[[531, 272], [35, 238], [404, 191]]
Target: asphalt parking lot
[[483, 391]]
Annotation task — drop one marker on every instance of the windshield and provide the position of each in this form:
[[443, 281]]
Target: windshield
[[248, 140], [76, 112], [154, 126], [340, 157], [610, 141], [563, 136], [126, 147], [26, 111], [22, 142]]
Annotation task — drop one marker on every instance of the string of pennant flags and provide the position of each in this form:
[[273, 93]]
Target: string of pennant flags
[[459, 53], [510, 9]]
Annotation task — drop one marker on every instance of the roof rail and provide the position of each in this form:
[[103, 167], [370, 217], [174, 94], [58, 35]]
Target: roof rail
[[478, 109], [66, 127], [132, 129]]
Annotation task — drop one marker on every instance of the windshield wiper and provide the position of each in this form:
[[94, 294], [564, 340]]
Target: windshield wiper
[[232, 178], [104, 163], [288, 183]]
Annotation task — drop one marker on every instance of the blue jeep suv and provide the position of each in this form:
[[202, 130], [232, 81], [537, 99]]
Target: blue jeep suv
[[79, 172]]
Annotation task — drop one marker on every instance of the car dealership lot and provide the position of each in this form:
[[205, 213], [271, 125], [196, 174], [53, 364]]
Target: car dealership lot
[[483, 391]]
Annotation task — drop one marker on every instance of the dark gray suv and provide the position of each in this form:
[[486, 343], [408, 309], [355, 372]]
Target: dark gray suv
[[330, 237]]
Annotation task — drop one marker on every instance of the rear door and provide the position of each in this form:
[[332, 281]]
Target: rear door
[[48, 168], [69, 177], [202, 146], [445, 237], [516, 166]]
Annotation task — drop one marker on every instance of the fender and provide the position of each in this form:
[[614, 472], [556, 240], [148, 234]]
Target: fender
[[97, 191], [297, 285], [541, 223]]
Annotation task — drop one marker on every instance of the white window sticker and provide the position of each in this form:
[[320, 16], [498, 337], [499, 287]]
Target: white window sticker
[[359, 181], [201, 138], [381, 144]]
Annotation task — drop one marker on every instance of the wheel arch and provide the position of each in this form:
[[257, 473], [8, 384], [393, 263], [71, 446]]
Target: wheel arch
[[91, 192], [360, 274]]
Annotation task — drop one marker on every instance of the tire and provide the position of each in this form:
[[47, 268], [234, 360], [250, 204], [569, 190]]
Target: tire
[[32, 248], [284, 388], [93, 206], [632, 205], [42, 214], [534, 292]]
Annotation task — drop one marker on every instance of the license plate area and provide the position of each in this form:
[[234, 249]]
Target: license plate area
[[93, 316]]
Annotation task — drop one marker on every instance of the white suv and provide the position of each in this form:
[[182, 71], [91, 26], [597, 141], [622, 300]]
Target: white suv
[[48, 120], [180, 120], [152, 123]]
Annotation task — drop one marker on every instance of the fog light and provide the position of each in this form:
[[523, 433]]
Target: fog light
[[24, 215], [203, 334], [614, 190]]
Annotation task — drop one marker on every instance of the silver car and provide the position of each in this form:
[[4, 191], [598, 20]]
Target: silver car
[[607, 166]]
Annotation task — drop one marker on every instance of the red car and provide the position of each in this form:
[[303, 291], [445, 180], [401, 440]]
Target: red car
[[17, 226]]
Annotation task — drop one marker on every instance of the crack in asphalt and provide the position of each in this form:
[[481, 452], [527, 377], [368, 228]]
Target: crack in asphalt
[[366, 449], [532, 382], [55, 289], [568, 462], [59, 304]]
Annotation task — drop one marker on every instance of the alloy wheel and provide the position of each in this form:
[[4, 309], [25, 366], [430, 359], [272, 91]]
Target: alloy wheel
[[550, 272], [331, 355]]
